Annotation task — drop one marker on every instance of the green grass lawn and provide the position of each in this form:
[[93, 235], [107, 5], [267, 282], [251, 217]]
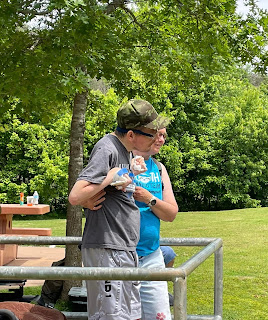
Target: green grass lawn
[[245, 239]]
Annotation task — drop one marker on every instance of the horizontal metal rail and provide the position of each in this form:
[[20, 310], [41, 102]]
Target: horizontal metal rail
[[40, 240], [181, 242], [204, 317], [177, 275], [84, 316], [89, 273]]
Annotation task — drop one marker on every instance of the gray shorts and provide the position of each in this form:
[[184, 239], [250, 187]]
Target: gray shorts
[[111, 300]]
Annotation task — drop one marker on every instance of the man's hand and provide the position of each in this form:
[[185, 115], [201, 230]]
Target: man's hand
[[122, 186], [138, 165], [94, 203], [121, 179]]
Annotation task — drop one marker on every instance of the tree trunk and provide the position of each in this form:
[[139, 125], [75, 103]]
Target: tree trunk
[[74, 213]]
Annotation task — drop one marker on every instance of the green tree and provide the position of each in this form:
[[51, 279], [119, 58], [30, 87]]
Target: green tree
[[240, 143], [34, 157], [221, 163], [48, 63]]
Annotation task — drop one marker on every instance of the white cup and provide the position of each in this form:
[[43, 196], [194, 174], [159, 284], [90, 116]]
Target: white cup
[[30, 200]]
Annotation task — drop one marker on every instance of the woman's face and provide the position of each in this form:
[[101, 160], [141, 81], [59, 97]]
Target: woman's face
[[159, 141]]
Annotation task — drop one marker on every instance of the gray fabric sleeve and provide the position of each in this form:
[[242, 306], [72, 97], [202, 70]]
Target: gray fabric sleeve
[[98, 166]]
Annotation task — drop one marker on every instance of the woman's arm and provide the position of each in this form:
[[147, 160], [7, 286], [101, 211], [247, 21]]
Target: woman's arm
[[165, 209], [95, 203]]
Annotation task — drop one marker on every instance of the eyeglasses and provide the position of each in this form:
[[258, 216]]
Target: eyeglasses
[[123, 130], [144, 133], [161, 135]]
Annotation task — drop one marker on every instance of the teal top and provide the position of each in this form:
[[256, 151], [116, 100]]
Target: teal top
[[150, 223]]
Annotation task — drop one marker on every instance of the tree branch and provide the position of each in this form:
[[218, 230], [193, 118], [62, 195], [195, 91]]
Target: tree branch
[[132, 15], [114, 5], [121, 4]]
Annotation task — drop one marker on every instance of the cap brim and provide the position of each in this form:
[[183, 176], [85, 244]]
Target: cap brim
[[159, 123]]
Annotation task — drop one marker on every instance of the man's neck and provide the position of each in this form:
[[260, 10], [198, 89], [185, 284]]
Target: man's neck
[[123, 141]]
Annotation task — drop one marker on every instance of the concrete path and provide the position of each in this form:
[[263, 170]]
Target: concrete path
[[37, 257]]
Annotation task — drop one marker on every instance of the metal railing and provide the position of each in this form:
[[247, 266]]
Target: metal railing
[[177, 275]]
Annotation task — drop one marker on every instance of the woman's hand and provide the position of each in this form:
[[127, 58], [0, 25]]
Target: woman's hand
[[142, 195], [94, 203]]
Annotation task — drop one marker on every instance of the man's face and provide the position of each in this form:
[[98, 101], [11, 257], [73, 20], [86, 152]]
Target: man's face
[[142, 142], [159, 141]]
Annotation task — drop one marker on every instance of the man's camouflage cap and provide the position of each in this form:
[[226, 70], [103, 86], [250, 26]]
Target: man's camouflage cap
[[140, 113]]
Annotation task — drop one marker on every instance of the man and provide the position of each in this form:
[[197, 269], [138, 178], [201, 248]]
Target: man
[[155, 199], [111, 233]]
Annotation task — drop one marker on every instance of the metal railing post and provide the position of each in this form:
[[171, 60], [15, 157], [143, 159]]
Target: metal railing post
[[180, 298], [218, 282]]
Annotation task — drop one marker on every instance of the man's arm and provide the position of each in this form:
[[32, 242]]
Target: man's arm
[[84, 190]]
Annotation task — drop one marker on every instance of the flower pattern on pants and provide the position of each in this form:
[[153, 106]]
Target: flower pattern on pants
[[160, 316]]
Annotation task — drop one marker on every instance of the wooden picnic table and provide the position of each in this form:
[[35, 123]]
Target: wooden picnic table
[[8, 252]]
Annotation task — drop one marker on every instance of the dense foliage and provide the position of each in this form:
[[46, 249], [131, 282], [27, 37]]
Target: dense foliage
[[216, 153], [220, 138], [176, 54]]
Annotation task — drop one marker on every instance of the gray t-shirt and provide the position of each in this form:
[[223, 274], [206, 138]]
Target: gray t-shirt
[[117, 224]]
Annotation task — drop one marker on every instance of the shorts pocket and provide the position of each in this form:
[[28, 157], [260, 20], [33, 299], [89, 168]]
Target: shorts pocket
[[111, 297]]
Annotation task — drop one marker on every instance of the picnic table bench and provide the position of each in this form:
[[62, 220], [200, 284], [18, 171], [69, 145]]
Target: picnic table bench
[[8, 252], [13, 293]]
